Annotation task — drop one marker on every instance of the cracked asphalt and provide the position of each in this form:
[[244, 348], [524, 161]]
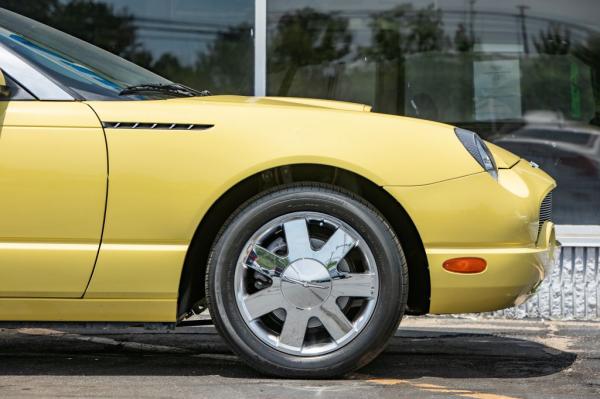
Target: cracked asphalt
[[428, 358]]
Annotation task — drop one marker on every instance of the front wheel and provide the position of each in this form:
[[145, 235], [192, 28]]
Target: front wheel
[[307, 281]]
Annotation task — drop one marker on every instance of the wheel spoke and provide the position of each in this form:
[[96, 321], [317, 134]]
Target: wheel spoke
[[335, 249], [266, 262], [297, 239], [264, 301], [294, 328], [354, 285], [335, 321], [305, 283]]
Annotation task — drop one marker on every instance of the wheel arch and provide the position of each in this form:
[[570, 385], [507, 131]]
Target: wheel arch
[[191, 285]]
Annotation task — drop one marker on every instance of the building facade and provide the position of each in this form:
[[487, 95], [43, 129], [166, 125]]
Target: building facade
[[524, 74]]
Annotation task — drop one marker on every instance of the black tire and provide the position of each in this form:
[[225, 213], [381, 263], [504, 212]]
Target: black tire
[[362, 217]]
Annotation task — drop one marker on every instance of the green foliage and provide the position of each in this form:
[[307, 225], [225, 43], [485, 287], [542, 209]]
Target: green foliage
[[224, 67], [90, 21], [307, 37], [555, 40], [403, 30], [463, 41], [40, 10], [589, 53], [228, 62]]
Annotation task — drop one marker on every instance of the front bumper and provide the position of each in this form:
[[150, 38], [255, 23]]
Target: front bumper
[[476, 216], [511, 277]]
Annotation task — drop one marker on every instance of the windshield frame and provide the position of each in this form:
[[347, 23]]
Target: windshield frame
[[35, 81]]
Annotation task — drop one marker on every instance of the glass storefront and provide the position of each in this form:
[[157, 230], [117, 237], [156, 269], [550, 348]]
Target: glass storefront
[[524, 74], [204, 44]]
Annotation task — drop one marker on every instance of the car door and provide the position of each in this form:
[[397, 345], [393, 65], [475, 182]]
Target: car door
[[53, 182]]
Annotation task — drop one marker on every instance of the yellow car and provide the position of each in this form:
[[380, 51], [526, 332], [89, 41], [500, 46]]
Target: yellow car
[[307, 227]]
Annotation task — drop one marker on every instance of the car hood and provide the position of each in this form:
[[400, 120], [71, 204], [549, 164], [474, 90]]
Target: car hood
[[386, 149], [504, 159], [137, 111], [287, 102]]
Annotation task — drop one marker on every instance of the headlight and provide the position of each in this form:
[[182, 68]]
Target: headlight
[[477, 148]]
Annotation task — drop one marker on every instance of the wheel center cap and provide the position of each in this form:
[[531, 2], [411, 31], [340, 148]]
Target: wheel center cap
[[306, 283]]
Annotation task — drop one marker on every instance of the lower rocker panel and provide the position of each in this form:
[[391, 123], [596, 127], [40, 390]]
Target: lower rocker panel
[[88, 310]]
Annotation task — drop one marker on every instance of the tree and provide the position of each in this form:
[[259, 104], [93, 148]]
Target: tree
[[224, 66], [40, 10], [463, 41], [556, 40], [426, 30], [228, 62], [97, 23], [307, 37], [589, 53], [395, 34]]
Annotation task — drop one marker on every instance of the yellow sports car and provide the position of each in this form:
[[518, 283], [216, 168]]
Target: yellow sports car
[[307, 227]]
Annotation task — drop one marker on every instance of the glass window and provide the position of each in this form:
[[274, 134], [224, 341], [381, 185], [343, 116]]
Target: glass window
[[203, 44], [85, 69], [524, 74]]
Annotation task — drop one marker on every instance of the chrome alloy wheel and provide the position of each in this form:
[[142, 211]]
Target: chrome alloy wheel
[[306, 283]]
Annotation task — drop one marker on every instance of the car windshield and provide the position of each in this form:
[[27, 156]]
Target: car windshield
[[86, 71]]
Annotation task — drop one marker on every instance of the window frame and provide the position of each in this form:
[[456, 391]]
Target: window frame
[[21, 93], [30, 78]]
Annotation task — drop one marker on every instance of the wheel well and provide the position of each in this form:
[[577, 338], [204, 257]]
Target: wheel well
[[191, 286]]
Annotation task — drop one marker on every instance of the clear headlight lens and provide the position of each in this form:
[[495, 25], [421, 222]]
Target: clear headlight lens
[[478, 150]]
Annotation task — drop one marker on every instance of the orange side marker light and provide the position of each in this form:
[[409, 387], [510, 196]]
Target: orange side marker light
[[465, 265]]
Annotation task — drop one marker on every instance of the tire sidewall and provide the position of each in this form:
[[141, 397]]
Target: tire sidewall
[[371, 227]]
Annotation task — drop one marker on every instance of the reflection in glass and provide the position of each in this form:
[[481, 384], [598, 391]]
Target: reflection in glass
[[203, 44], [524, 74]]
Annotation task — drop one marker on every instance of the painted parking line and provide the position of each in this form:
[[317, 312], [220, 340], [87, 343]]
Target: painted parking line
[[479, 395], [433, 388]]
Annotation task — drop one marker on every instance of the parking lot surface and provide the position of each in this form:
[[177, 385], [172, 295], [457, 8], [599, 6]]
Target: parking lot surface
[[428, 358]]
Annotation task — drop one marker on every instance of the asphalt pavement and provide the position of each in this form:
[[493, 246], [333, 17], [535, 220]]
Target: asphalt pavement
[[428, 358]]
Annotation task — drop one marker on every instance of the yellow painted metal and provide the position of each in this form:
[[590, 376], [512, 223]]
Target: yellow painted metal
[[57, 114], [342, 105], [251, 135], [106, 310], [497, 221], [510, 277], [477, 211], [504, 159], [286, 102], [160, 178], [52, 195], [137, 271], [162, 182], [2, 80]]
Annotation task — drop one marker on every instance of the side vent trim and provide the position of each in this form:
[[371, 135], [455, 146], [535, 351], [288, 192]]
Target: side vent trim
[[155, 126]]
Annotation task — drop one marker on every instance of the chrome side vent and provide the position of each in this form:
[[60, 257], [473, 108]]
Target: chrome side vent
[[155, 126], [545, 210]]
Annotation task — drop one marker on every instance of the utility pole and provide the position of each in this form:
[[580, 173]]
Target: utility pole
[[522, 9], [472, 20]]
